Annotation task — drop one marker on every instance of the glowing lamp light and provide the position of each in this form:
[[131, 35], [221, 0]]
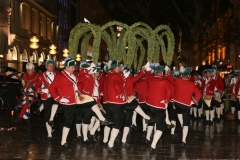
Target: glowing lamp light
[[65, 52], [34, 45], [78, 57], [52, 51], [52, 47], [34, 39]]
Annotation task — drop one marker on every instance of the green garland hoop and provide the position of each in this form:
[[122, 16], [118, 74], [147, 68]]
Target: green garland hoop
[[160, 41]]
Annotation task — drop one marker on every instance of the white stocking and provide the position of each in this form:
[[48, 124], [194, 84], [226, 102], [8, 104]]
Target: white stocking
[[41, 107], [173, 129], [195, 112], [64, 135], [95, 127], [78, 128], [114, 134], [49, 130], [85, 131], [91, 123], [167, 118], [140, 112], [144, 124], [106, 134], [125, 133], [207, 114], [184, 132], [180, 118], [149, 132], [53, 112], [97, 111], [156, 137], [211, 115], [134, 118]]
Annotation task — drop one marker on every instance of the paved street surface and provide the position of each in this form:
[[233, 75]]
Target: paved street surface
[[220, 141]]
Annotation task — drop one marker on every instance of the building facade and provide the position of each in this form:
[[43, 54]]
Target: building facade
[[27, 18]]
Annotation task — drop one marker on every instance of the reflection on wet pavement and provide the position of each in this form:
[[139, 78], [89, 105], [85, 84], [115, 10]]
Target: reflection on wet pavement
[[219, 141]]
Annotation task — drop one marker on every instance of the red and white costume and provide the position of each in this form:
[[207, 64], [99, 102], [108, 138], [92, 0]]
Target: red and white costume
[[59, 88], [159, 92]]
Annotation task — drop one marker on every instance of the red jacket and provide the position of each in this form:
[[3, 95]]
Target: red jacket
[[184, 92], [63, 87], [104, 90], [219, 83], [158, 90], [85, 82], [115, 92], [129, 83], [198, 85], [234, 88], [141, 88], [101, 80], [208, 87], [171, 80], [42, 83]]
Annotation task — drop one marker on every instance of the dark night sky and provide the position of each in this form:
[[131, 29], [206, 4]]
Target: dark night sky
[[156, 12]]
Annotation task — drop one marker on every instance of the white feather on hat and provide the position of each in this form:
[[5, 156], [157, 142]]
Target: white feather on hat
[[109, 63], [166, 68], [182, 69]]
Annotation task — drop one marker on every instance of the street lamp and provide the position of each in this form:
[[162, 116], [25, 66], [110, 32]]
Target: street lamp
[[34, 44], [78, 57], [52, 49], [65, 52]]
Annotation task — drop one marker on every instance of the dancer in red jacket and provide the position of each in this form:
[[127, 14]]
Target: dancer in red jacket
[[218, 91], [158, 97], [208, 97], [132, 104], [186, 93], [42, 85], [64, 90]]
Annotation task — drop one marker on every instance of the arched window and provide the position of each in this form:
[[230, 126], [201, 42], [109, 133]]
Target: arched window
[[41, 58], [14, 54], [24, 56]]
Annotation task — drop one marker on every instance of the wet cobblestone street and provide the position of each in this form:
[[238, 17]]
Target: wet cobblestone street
[[220, 141]]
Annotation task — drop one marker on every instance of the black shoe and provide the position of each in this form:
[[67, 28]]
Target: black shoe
[[88, 141], [49, 139], [210, 123], [79, 138], [147, 141], [50, 123], [151, 120], [66, 147], [172, 135], [135, 128], [199, 118], [105, 144], [93, 137], [238, 121], [18, 120], [106, 122], [111, 149], [183, 144], [218, 119], [144, 132], [221, 116], [169, 126], [153, 151], [37, 112], [205, 122], [125, 144]]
